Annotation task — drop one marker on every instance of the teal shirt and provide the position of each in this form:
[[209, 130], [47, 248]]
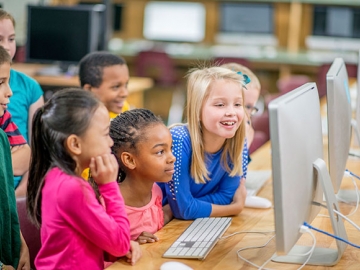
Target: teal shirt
[[26, 91]]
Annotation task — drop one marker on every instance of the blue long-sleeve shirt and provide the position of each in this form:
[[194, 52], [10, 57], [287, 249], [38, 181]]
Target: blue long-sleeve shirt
[[189, 200]]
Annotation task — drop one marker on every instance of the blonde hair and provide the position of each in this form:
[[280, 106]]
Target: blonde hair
[[6, 15], [238, 67], [199, 80]]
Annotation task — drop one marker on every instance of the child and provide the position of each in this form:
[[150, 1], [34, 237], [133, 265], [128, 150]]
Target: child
[[20, 150], [28, 95], [70, 133], [251, 95], [14, 253], [210, 150], [107, 76], [142, 145]]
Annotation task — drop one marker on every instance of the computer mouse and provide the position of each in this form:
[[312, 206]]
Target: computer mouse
[[257, 202], [174, 266]]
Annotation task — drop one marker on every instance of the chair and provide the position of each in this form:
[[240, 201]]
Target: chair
[[156, 65], [261, 123], [321, 76], [286, 85], [259, 139], [29, 231]]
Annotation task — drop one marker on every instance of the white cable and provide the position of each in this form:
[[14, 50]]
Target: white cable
[[311, 251], [253, 247], [357, 195], [346, 173], [347, 219], [240, 232]]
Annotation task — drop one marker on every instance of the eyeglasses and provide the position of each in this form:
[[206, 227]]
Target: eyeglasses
[[251, 110]]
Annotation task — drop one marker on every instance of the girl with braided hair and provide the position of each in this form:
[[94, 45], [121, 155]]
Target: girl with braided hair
[[142, 145]]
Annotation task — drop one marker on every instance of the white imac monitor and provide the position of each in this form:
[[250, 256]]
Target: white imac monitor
[[299, 174], [339, 115], [174, 21], [357, 110]]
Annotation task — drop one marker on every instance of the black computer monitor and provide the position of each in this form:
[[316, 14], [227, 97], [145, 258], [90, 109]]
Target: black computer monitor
[[64, 34], [335, 28], [300, 175], [246, 22]]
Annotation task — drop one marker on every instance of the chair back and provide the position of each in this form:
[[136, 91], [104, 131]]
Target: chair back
[[156, 65], [29, 231]]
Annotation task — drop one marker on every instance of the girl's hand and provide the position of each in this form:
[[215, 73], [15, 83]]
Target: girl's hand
[[240, 195], [104, 169], [134, 254], [24, 262], [146, 237]]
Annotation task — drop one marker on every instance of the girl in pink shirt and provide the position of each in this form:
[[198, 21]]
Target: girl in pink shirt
[[142, 146], [70, 133]]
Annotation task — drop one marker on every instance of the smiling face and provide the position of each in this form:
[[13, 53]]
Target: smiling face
[[113, 89], [5, 91], [222, 112], [154, 159]]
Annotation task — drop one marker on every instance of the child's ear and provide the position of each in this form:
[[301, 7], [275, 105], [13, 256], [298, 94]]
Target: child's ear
[[128, 160], [73, 145], [87, 87]]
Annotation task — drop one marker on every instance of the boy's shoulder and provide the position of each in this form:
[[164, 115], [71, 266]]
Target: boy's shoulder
[[11, 130]]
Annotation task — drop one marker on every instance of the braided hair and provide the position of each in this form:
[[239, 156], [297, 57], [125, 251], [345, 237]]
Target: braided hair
[[127, 130]]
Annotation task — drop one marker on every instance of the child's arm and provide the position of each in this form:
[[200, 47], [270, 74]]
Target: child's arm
[[168, 216], [20, 190], [180, 198], [32, 109], [24, 262], [235, 207], [20, 155], [146, 237]]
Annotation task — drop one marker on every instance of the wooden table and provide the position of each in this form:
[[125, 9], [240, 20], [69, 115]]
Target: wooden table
[[224, 255], [137, 85]]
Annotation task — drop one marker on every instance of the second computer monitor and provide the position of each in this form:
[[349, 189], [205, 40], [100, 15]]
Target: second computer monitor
[[296, 143], [300, 176], [339, 117]]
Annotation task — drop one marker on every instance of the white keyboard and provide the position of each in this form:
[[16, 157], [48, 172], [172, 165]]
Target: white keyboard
[[255, 180], [199, 238]]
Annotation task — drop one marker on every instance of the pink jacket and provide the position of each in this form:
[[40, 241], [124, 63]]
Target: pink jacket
[[75, 228]]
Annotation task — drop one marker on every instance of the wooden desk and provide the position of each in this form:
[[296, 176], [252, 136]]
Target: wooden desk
[[137, 85], [224, 255]]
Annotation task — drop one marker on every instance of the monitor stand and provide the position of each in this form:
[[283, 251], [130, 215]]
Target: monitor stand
[[321, 256], [356, 137]]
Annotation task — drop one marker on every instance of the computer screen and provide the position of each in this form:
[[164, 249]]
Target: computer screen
[[300, 177], [339, 115], [244, 21], [335, 28], [357, 110], [296, 143], [174, 21], [63, 33]]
